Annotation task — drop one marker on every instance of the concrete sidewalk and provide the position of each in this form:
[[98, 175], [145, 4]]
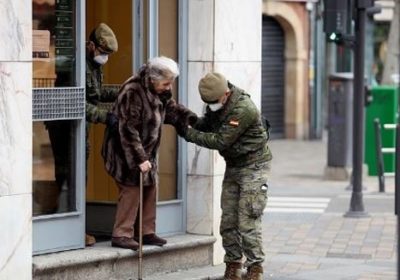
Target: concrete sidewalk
[[306, 235]]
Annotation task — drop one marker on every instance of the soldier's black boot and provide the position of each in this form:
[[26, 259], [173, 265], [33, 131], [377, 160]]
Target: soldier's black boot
[[233, 271], [254, 272]]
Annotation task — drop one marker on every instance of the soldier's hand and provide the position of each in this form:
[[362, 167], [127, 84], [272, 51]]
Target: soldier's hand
[[145, 166], [181, 129], [192, 119]]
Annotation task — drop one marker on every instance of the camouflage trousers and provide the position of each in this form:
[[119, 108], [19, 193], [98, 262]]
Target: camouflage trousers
[[243, 200]]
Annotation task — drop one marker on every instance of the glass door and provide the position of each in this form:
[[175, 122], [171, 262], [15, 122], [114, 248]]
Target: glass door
[[164, 38], [144, 28], [58, 126]]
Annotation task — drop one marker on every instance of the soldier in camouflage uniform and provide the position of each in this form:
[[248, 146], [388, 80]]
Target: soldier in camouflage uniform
[[233, 125], [102, 42]]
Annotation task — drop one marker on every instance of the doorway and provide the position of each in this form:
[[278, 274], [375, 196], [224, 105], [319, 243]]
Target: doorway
[[273, 75], [143, 29]]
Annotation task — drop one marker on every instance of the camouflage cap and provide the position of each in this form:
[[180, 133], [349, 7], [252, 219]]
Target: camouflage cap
[[104, 38], [212, 86]]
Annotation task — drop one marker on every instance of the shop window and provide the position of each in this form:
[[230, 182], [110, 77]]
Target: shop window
[[54, 133]]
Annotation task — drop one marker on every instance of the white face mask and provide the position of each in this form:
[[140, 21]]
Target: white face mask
[[215, 107], [101, 59]]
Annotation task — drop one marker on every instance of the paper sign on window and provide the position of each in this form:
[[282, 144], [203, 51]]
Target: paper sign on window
[[41, 45]]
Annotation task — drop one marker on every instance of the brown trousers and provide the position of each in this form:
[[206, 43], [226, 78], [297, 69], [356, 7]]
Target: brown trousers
[[127, 215]]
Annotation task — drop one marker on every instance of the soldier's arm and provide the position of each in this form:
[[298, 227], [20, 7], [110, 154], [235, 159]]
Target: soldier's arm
[[92, 87], [203, 123], [231, 129], [108, 94], [95, 114]]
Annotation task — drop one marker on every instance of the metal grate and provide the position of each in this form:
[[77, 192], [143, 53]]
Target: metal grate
[[273, 75], [58, 103]]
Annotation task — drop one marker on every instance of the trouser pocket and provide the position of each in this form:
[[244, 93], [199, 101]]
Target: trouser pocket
[[256, 201]]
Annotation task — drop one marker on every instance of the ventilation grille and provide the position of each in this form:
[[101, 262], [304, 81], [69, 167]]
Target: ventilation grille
[[58, 103]]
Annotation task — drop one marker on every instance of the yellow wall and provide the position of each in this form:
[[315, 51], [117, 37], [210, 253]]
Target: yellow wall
[[168, 46], [117, 14]]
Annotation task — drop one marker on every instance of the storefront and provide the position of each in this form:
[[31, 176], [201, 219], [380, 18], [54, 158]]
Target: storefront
[[63, 208], [43, 186]]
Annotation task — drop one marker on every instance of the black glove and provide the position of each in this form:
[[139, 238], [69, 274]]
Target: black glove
[[112, 121], [192, 119], [181, 129]]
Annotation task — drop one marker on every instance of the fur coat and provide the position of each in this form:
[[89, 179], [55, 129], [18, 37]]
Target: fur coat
[[136, 136]]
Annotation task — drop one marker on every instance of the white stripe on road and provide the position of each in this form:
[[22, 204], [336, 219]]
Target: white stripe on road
[[293, 210], [297, 204], [307, 199]]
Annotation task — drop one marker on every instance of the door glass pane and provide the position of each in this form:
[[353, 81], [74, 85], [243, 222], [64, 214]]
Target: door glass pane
[[54, 141], [54, 167], [168, 46], [54, 43]]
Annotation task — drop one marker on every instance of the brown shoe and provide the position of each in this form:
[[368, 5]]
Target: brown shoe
[[152, 239], [233, 271], [124, 242], [89, 240], [254, 272]]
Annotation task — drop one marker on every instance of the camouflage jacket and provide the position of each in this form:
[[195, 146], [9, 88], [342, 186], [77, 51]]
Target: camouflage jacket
[[95, 93], [236, 131]]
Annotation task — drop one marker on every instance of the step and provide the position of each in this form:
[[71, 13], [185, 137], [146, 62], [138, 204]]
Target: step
[[201, 273], [182, 252]]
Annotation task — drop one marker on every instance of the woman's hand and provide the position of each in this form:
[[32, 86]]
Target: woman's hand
[[145, 166]]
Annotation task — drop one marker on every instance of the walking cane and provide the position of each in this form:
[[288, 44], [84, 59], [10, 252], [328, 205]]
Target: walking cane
[[140, 226]]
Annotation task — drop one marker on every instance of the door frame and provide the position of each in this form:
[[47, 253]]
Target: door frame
[[59, 232], [171, 214]]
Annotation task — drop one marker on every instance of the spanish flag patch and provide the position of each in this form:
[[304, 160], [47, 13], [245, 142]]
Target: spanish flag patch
[[234, 123]]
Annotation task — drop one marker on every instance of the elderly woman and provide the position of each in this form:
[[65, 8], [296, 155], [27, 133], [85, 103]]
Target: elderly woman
[[131, 145]]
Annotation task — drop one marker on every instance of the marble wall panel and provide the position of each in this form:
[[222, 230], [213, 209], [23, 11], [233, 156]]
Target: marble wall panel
[[201, 30], [16, 237], [218, 256], [196, 70], [16, 30], [15, 128], [238, 28], [246, 75], [200, 201]]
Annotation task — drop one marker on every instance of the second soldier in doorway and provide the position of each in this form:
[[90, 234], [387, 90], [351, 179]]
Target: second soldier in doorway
[[102, 43], [233, 125]]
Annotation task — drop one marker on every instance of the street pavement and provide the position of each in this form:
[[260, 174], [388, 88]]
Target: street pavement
[[306, 234]]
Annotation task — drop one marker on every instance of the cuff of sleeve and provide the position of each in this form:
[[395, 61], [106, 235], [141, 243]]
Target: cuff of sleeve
[[103, 116], [190, 134]]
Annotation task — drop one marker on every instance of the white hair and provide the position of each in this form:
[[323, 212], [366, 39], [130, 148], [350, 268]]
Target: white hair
[[161, 68]]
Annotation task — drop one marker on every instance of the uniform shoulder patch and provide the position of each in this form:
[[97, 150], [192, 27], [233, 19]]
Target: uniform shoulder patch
[[234, 122]]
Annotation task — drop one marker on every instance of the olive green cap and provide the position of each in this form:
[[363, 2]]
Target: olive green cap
[[105, 38], [212, 86]]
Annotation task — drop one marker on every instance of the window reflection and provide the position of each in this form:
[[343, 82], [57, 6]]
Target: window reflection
[[54, 167], [53, 55], [54, 43]]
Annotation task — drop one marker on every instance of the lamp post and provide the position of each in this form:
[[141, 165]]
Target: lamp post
[[356, 202]]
